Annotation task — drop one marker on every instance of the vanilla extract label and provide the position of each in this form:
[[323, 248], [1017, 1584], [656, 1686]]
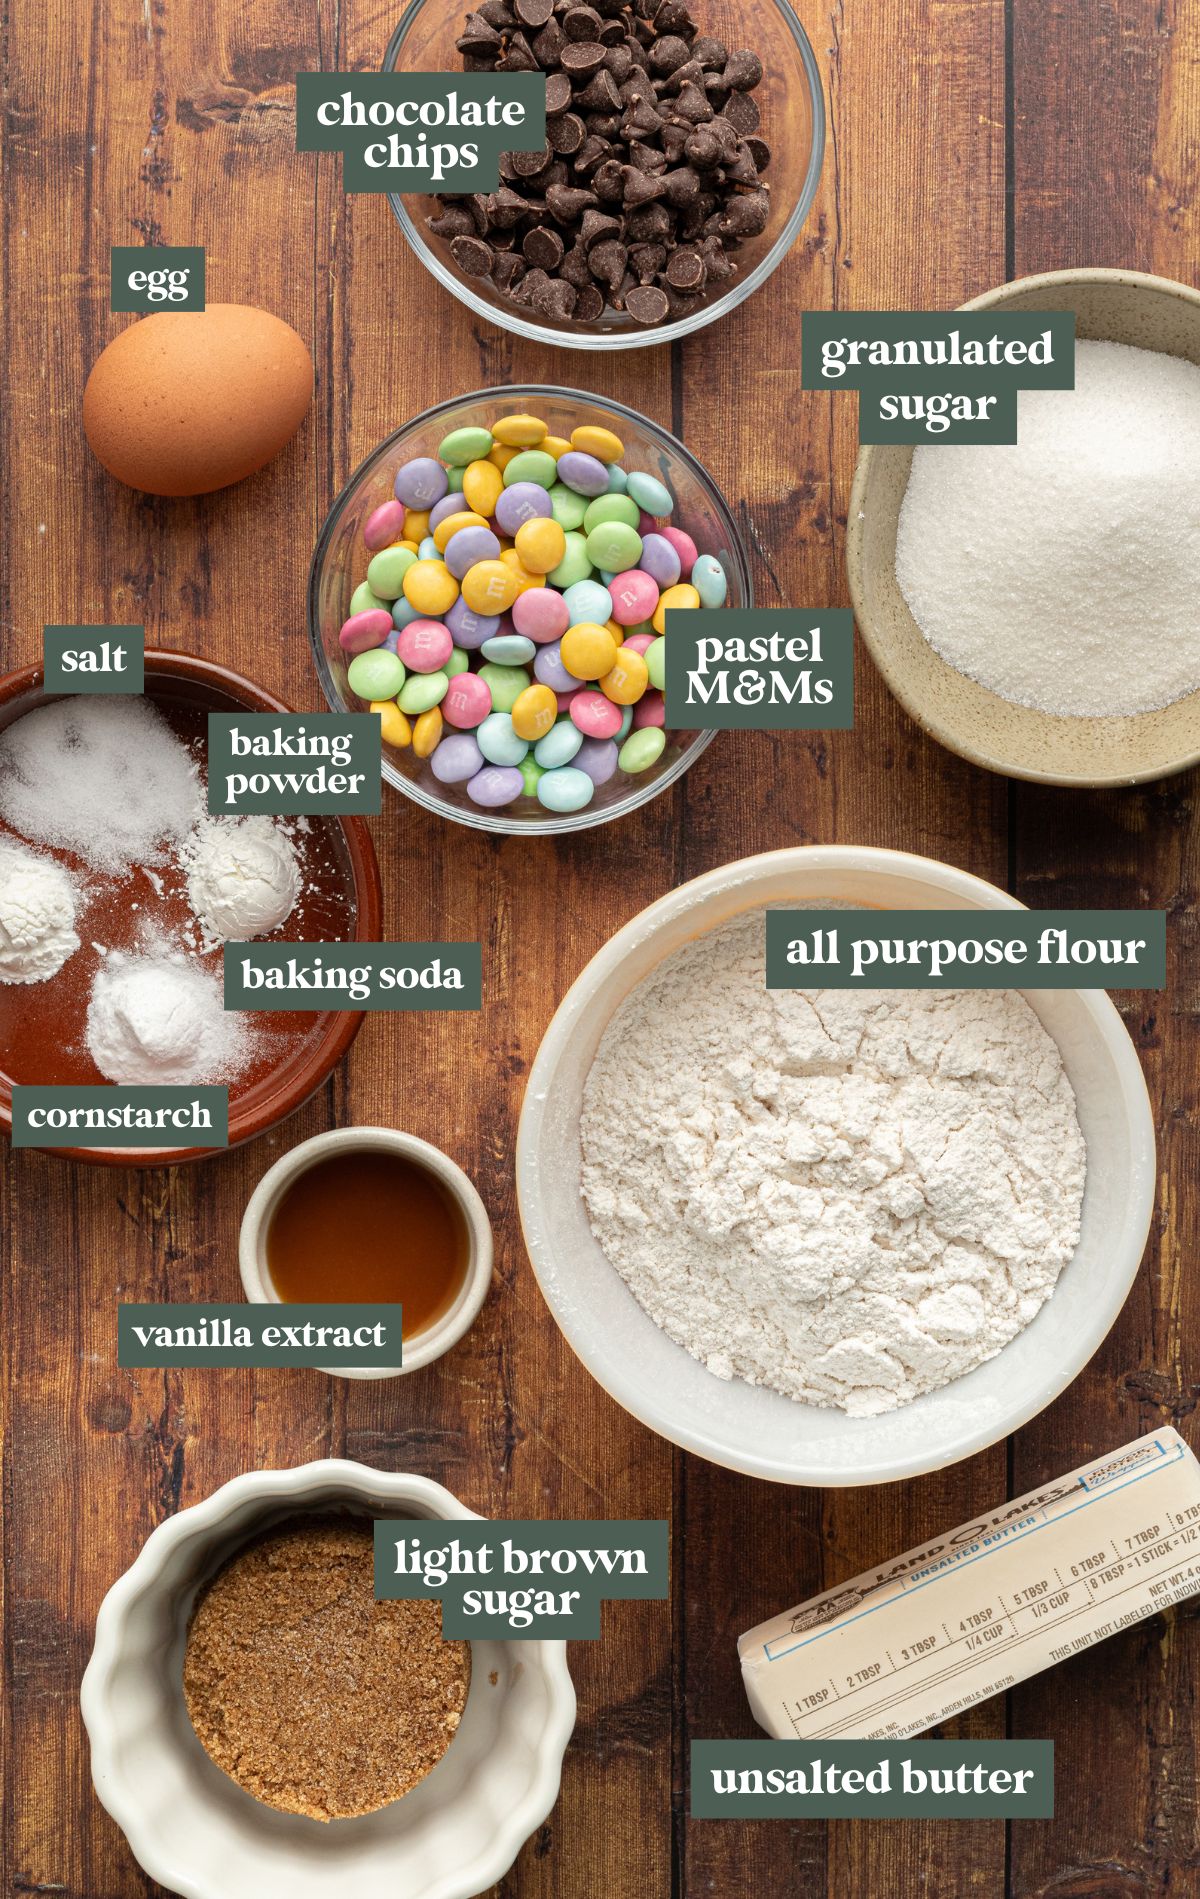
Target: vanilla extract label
[[329, 1337], [353, 975], [293, 764]]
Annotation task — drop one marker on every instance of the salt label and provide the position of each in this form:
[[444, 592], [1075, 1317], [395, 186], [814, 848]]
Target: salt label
[[94, 658]]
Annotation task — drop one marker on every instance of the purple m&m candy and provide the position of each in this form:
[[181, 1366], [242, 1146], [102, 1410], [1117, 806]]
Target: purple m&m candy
[[469, 545], [456, 759], [495, 785], [384, 526], [586, 474], [549, 669], [598, 758], [541, 614], [660, 560], [420, 483], [524, 501], [448, 505], [470, 629]]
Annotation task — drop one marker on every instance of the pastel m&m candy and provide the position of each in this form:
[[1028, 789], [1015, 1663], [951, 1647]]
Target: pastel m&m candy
[[467, 702], [634, 597], [596, 716], [588, 650], [424, 646]]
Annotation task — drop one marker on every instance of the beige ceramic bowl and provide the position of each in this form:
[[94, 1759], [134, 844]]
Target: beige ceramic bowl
[[433, 1340], [1115, 306]]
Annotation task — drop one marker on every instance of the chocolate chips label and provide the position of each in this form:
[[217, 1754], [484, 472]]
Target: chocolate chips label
[[293, 764], [743, 668], [148, 277], [938, 376], [421, 132], [883, 1780], [967, 949], [112, 1116], [353, 975], [94, 658], [521, 1580], [329, 1337]]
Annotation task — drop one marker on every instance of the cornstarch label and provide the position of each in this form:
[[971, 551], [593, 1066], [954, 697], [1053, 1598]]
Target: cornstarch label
[[106, 1115], [266, 975], [521, 1580], [936, 375], [967, 949], [94, 658], [293, 764], [420, 132], [341, 1337], [760, 668]]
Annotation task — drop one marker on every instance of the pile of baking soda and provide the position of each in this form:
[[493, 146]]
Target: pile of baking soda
[[850, 1197]]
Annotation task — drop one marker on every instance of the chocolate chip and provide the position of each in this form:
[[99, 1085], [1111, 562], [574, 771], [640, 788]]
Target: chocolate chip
[[667, 54], [589, 304], [709, 53], [742, 113], [529, 164], [497, 14], [746, 215], [642, 187], [582, 58], [568, 202], [543, 247], [507, 269], [574, 266], [611, 34], [519, 57], [743, 71], [581, 23], [741, 168], [609, 182], [478, 35], [606, 261], [604, 124], [595, 151], [596, 226], [547, 50], [675, 16], [760, 152], [600, 94], [505, 208], [533, 13], [530, 286], [646, 260], [453, 222], [647, 304], [618, 60], [703, 149], [472, 255], [566, 133], [685, 270], [558, 95], [650, 224]]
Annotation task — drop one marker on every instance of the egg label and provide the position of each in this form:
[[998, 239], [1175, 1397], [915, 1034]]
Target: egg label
[[145, 277], [421, 132], [293, 764], [94, 658]]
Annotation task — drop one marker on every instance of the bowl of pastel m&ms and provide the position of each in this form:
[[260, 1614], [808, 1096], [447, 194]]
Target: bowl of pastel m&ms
[[493, 585]]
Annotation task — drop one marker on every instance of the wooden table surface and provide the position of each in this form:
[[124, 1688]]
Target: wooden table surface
[[970, 141]]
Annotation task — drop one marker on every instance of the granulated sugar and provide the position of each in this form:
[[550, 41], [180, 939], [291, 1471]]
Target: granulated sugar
[[106, 778], [1063, 571], [852, 1198]]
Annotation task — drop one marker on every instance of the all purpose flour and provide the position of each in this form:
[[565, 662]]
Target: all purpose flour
[[852, 1198]]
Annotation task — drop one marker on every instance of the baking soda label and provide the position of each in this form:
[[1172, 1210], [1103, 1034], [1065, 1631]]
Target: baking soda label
[[293, 764], [374, 976], [94, 658], [938, 376], [149, 277], [967, 949], [421, 131], [521, 1580], [113, 1116], [760, 669]]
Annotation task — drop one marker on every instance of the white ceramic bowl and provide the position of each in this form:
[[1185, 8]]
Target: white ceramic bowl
[[759, 1431], [197, 1832], [444, 1332]]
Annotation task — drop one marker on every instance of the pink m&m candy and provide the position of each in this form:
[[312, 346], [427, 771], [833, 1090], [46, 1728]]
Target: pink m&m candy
[[467, 702], [639, 642], [541, 615], [384, 526], [649, 710], [595, 716], [424, 646], [567, 699], [684, 546], [362, 631], [634, 596]]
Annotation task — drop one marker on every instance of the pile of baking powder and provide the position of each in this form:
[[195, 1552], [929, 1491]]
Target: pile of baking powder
[[852, 1198], [1062, 571]]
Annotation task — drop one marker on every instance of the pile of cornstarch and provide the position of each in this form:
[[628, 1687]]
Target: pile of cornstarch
[[852, 1198], [1062, 572]]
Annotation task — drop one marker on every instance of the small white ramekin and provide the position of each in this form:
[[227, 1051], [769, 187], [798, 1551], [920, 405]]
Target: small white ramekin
[[198, 1833], [444, 1332]]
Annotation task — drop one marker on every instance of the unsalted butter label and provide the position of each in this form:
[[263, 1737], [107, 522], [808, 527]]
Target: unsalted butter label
[[967, 949], [937, 375], [94, 658], [420, 131], [897, 1780], [522, 1580], [293, 764], [353, 975], [927, 1634], [760, 668], [111, 1116], [345, 1337]]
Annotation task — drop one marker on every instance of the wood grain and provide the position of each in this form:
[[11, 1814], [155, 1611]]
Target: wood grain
[[967, 138]]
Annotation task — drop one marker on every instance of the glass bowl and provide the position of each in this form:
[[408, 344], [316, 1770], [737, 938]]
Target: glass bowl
[[340, 560], [792, 106]]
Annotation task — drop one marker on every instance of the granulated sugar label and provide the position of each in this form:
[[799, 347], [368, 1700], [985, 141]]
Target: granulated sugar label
[[293, 764], [934, 375], [94, 658], [353, 975], [421, 131], [133, 1116], [521, 1580], [760, 668], [967, 949]]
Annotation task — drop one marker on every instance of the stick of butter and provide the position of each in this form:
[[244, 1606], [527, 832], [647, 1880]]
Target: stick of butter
[[909, 1644]]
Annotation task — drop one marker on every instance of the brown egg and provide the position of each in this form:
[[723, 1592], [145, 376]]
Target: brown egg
[[187, 401]]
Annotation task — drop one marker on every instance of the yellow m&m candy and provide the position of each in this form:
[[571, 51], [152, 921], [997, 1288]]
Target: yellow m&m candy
[[416, 524], [483, 485], [556, 445], [627, 680], [523, 575], [588, 651], [679, 596], [393, 723], [541, 544], [449, 525], [427, 732], [430, 587], [601, 443], [534, 712], [519, 431], [501, 455], [489, 587]]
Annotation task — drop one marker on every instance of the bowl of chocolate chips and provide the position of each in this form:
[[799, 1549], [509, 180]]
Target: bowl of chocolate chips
[[683, 150]]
